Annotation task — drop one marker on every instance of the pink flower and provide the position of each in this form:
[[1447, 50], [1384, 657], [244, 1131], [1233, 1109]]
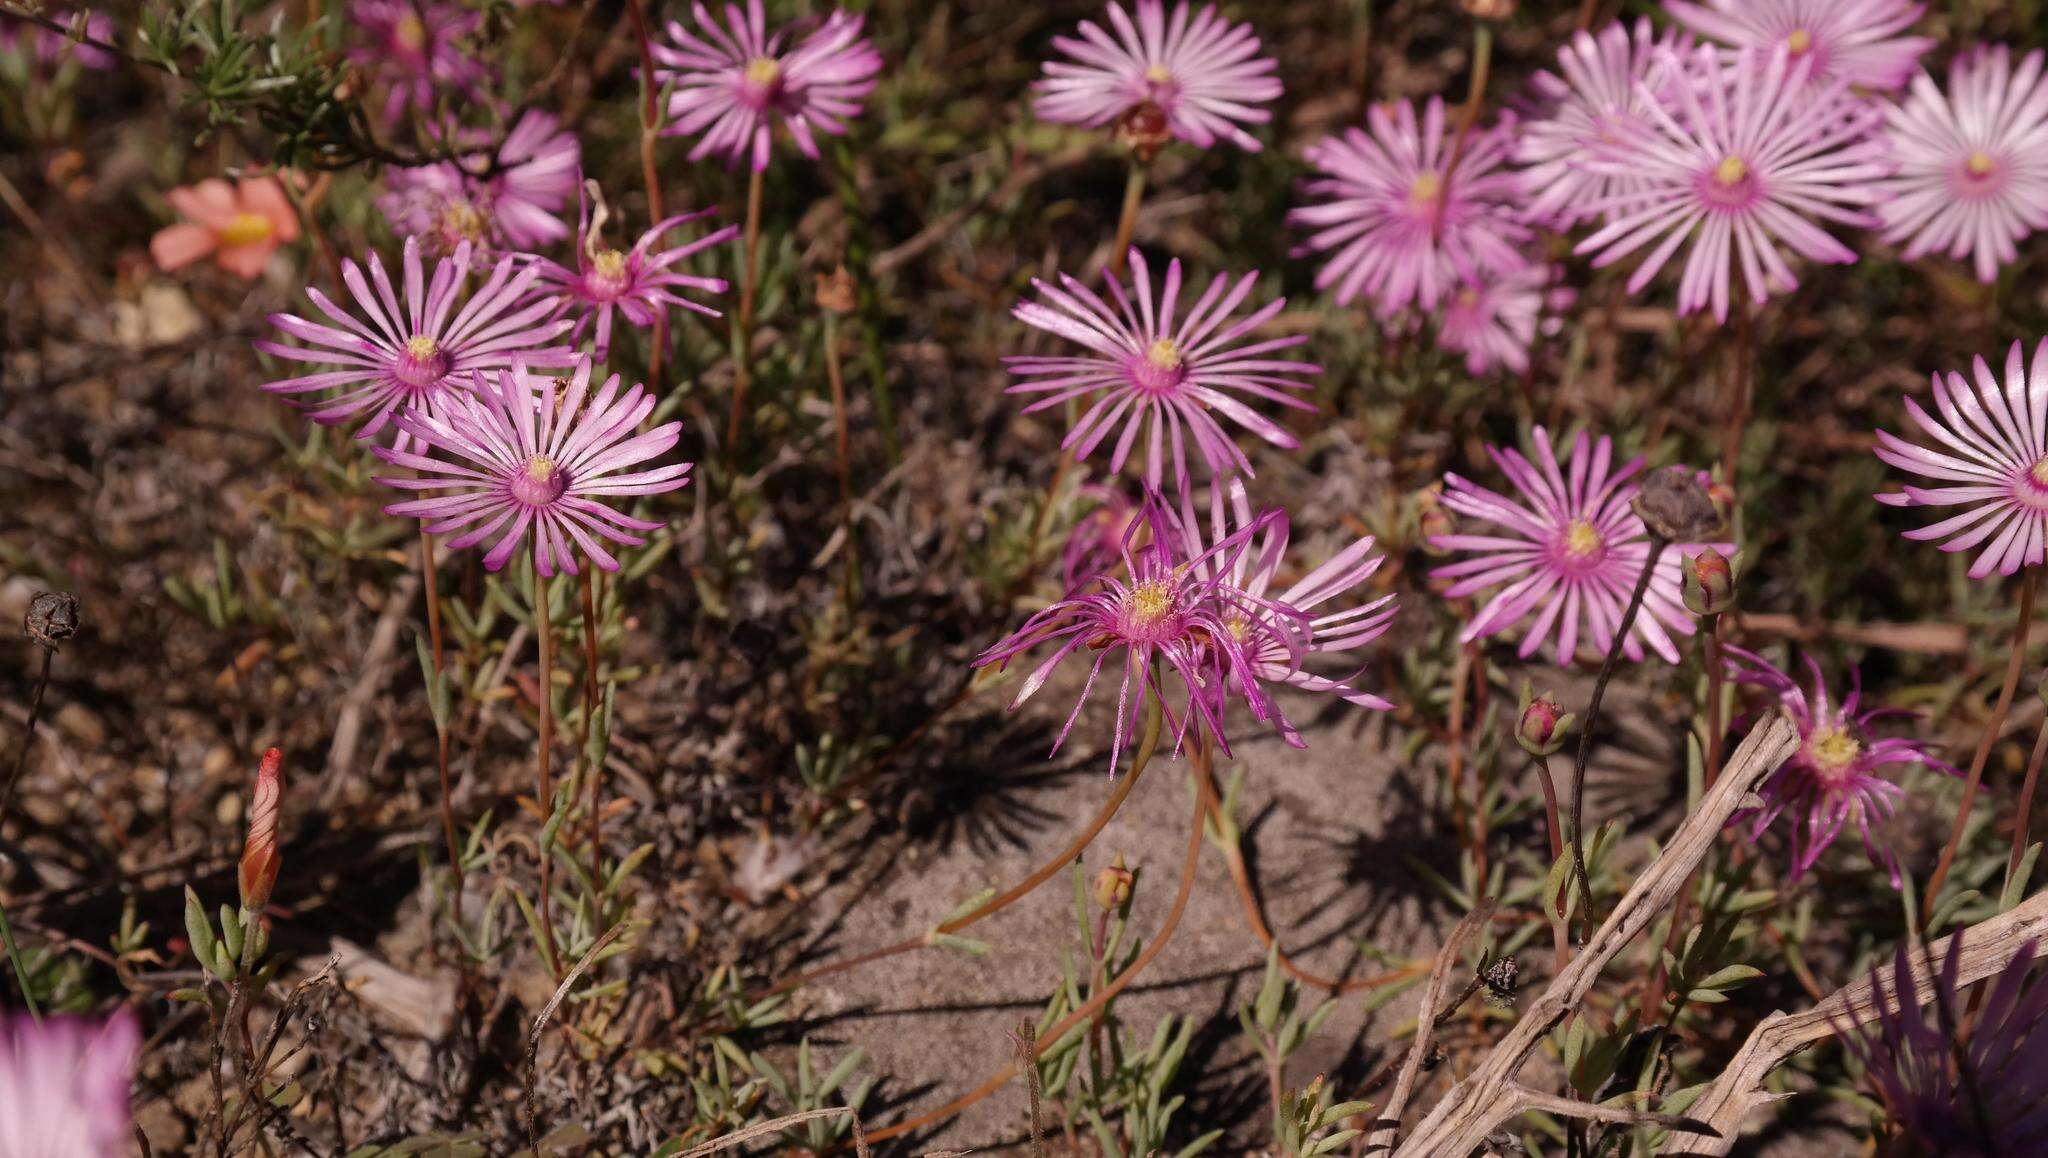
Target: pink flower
[[1833, 777], [1402, 229], [1158, 374], [1204, 75], [1992, 446], [1096, 544], [54, 49], [1565, 553], [1973, 165], [421, 351], [64, 1085], [1747, 161], [414, 47], [1494, 321], [1598, 107], [517, 207], [1855, 41], [239, 225], [733, 83], [636, 282]]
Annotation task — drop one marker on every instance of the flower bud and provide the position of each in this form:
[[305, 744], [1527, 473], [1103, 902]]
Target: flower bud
[[835, 292], [1675, 507], [52, 618], [1144, 130], [1544, 724], [1707, 582], [260, 858], [1113, 884]]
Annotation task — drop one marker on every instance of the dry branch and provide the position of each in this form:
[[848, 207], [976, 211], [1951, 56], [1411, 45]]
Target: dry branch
[[1425, 1023]]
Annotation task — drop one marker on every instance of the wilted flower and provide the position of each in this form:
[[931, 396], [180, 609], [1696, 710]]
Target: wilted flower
[[1203, 74], [639, 282], [1748, 160], [422, 350], [240, 225], [1566, 554], [1396, 224], [729, 86], [1708, 583], [1598, 107], [1855, 41], [64, 1085], [1993, 449], [1544, 725], [261, 859], [414, 47], [1159, 374], [522, 455], [1973, 164], [1833, 778], [517, 207], [1494, 321]]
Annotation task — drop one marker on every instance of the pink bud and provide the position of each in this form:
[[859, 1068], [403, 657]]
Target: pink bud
[[260, 858], [1543, 726], [1707, 582]]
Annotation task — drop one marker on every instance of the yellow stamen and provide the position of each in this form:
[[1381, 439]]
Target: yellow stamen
[[1581, 540], [540, 468], [1426, 189], [1980, 164], [1832, 749], [1731, 170], [245, 229], [461, 219], [1800, 41], [763, 71], [609, 264], [411, 32], [1149, 603], [422, 347], [2040, 472], [1157, 74], [1164, 355]]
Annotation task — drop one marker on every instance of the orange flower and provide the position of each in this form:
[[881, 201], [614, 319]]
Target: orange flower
[[240, 226]]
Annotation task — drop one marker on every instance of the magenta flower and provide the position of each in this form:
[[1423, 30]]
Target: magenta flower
[[1402, 229], [414, 46], [1746, 162], [1598, 107], [54, 49], [64, 1085], [1494, 321], [1096, 544], [1972, 165], [1160, 374], [418, 352], [637, 282], [518, 207], [732, 84], [521, 455], [1855, 41], [1568, 552], [1833, 778], [1204, 74], [1993, 449]]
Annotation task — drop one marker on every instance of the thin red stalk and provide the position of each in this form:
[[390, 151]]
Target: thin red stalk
[[650, 129], [743, 331], [2023, 822], [543, 757], [590, 702], [430, 577]]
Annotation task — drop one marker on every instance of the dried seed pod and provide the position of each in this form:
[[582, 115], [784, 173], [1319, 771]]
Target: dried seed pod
[[1676, 508], [52, 618]]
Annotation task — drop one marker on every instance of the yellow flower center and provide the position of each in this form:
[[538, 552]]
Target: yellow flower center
[[1157, 74], [1731, 170], [540, 468], [411, 32], [1426, 189], [462, 220], [1980, 164], [1164, 355], [1832, 749], [2040, 472], [1799, 42], [245, 229], [1149, 603], [609, 264], [763, 71], [422, 348], [1581, 540]]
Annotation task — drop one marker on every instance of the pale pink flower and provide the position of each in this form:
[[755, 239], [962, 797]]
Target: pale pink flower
[[1856, 41], [1596, 105], [415, 47], [1395, 224], [1160, 375], [1203, 73], [1748, 160], [64, 1085], [1494, 321], [1991, 448], [517, 207], [731, 84], [238, 225], [641, 283], [1973, 164]]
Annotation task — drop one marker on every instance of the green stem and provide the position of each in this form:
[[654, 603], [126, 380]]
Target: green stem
[[28, 996]]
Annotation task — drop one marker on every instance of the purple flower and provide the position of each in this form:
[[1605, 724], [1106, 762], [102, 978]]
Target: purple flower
[[638, 283], [1833, 777], [419, 351], [1402, 229], [1992, 446], [1746, 161], [1972, 165], [1983, 1096], [1599, 106], [53, 49], [517, 207], [733, 83], [1494, 321], [522, 456], [1160, 374], [1096, 543], [1856, 41], [1204, 75], [64, 1085], [1568, 550], [413, 46]]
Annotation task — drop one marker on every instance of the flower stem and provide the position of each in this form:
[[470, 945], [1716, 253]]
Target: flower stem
[[650, 129], [1560, 941], [1717, 682], [1464, 816], [430, 577], [2029, 587], [2021, 823], [743, 326], [1738, 396], [590, 701], [1628, 622], [1468, 116], [1127, 223], [543, 759], [1710, 655], [836, 375]]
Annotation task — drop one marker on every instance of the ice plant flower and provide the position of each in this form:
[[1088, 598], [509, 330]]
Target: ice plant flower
[[1096, 544], [1565, 553], [1596, 105], [731, 84], [1156, 373], [1494, 321], [1202, 73], [517, 207], [64, 1085], [1984, 1096], [239, 225], [1834, 778], [640, 282], [1972, 175], [414, 46], [1992, 451], [1396, 223], [1747, 161], [1855, 41], [518, 454], [419, 351]]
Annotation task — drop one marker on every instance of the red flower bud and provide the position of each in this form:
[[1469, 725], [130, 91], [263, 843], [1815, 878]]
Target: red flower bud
[[260, 858], [1144, 130], [1707, 582], [1113, 884], [1544, 724]]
